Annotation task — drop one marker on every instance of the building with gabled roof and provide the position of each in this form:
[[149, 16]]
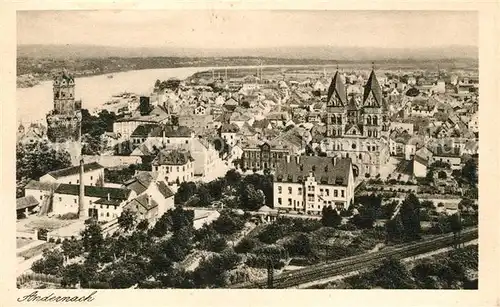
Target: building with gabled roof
[[174, 166], [307, 184], [26, 205], [229, 132], [103, 203], [93, 174]]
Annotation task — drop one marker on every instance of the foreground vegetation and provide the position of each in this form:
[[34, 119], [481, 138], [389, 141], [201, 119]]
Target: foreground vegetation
[[453, 270]]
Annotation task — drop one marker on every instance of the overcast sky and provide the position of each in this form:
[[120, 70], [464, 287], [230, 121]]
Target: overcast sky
[[243, 29]]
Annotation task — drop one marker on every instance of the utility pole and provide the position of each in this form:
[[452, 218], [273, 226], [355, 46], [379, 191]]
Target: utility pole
[[270, 273]]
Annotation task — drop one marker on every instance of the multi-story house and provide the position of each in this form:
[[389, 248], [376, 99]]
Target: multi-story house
[[93, 175], [229, 132], [307, 184], [174, 166], [103, 203], [265, 155]]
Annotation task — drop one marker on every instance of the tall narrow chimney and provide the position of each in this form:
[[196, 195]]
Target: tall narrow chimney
[[82, 211]]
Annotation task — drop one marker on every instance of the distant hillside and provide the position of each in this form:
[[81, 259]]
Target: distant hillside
[[322, 53]]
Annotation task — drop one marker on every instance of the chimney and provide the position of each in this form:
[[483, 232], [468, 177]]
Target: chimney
[[82, 210]]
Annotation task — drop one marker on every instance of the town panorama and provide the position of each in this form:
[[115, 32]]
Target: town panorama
[[251, 172]]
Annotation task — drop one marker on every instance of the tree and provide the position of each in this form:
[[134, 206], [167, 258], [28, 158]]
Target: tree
[[232, 177], [228, 223], [469, 171], [455, 226], [127, 220], [330, 217], [392, 274], [271, 233], [395, 230], [245, 245], [251, 199], [72, 248], [51, 263], [36, 159], [299, 246], [410, 217], [212, 272], [185, 192], [92, 239], [143, 225]]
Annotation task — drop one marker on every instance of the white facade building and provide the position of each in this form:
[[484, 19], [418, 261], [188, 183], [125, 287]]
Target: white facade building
[[309, 183], [93, 172], [174, 166]]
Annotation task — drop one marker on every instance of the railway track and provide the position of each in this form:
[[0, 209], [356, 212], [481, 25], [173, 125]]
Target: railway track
[[360, 262]]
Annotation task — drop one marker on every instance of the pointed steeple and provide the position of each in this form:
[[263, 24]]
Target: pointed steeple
[[336, 92], [372, 90]]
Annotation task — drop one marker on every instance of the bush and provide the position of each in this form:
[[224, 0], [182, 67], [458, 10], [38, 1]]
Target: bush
[[245, 246], [69, 216], [347, 227], [58, 241]]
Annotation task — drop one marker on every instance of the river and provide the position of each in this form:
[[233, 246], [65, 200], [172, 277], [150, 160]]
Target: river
[[34, 103]]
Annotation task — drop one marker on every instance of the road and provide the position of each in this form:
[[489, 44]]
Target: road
[[329, 271]]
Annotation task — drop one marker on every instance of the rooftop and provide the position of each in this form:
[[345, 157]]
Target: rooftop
[[326, 170], [26, 202], [92, 191], [73, 170], [173, 157]]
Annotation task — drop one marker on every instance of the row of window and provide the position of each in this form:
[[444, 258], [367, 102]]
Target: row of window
[[258, 165], [78, 181], [312, 189], [169, 169], [296, 203], [256, 154]]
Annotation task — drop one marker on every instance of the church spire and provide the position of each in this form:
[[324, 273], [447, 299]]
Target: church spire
[[336, 92]]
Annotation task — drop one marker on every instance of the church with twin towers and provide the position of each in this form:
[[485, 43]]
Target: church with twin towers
[[357, 127]]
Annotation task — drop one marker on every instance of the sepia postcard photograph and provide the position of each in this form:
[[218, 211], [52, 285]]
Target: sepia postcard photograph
[[246, 149]]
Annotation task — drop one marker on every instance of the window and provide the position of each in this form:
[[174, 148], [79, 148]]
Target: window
[[77, 181], [290, 202], [335, 193], [101, 206], [90, 202], [69, 182], [321, 192], [107, 214], [342, 193], [60, 198], [353, 146], [41, 197], [91, 178], [289, 190], [75, 200], [327, 192], [279, 200], [310, 197], [186, 141], [299, 191], [279, 189]]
